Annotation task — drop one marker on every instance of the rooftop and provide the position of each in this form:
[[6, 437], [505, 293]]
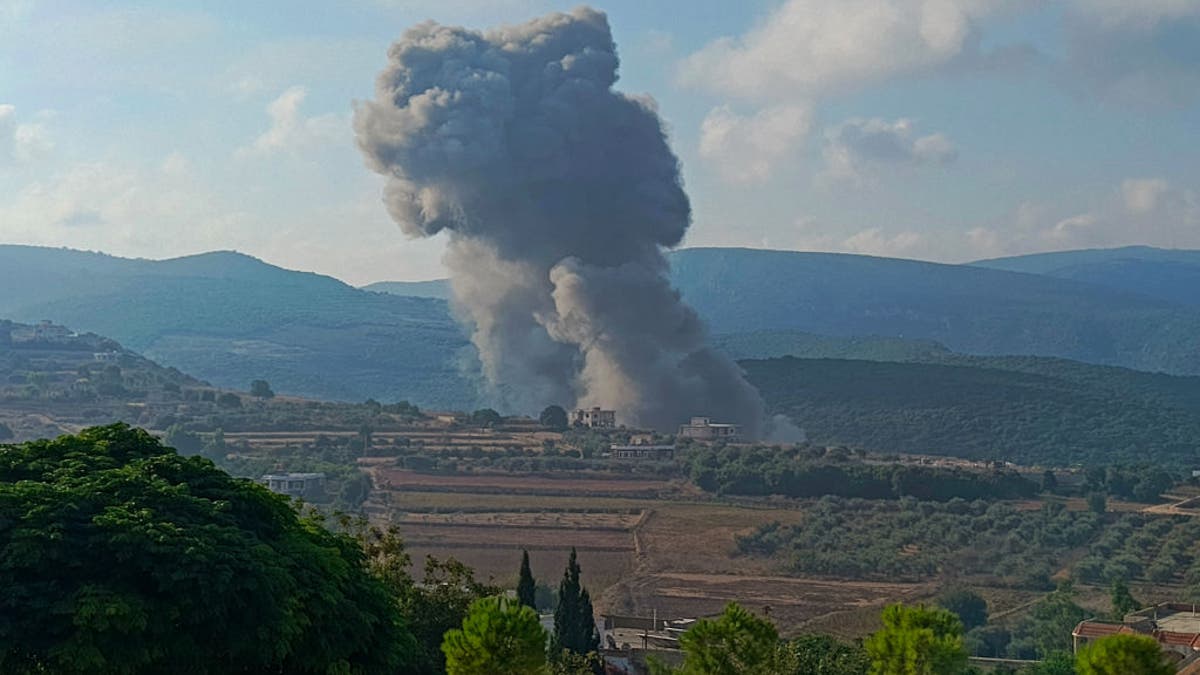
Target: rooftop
[[293, 476], [1173, 619]]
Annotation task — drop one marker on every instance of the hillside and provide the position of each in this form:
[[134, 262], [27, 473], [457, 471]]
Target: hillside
[[972, 309], [230, 318], [437, 288], [968, 309], [1164, 274], [1031, 411]]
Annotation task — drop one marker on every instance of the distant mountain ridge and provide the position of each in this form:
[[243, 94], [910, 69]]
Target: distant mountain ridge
[[1172, 275], [435, 288], [229, 318]]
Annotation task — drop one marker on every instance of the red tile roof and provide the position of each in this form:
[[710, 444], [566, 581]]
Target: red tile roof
[[1096, 629]]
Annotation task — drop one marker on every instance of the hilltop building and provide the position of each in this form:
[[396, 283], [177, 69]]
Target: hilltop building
[[594, 418], [302, 485], [704, 429]]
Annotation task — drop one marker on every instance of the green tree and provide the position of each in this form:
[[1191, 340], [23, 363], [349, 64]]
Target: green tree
[[735, 643], [968, 605], [526, 586], [1123, 601], [574, 619], [1097, 502], [1123, 655], [437, 605], [1058, 663], [554, 417], [1049, 481], [823, 655], [185, 442], [570, 663], [497, 636], [486, 417], [118, 555], [917, 641], [214, 447], [1053, 619], [261, 389], [229, 400]]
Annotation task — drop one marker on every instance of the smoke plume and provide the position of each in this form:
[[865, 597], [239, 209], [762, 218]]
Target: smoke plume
[[559, 196]]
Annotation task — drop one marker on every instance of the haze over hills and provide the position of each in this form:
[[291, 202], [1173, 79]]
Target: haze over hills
[[229, 318], [1164, 274]]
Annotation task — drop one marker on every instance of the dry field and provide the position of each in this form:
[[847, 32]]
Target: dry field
[[393, 479], [652, 549]]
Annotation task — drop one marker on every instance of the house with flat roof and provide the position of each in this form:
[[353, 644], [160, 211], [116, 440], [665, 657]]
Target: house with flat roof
[[704, 429], [302, 485]]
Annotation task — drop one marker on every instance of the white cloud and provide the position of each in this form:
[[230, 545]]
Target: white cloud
[[116, 208], [1144, 195], [811, 235], [22, 141], [874, 241], [744, 149], [1149, 211], [291, 132], [812, 47], [858, 144]]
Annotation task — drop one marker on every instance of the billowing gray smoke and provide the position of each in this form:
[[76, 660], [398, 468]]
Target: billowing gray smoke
[[559, 196]]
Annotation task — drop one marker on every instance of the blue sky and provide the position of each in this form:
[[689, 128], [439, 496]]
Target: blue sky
[[945, 130]]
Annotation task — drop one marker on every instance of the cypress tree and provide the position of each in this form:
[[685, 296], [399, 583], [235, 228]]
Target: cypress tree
[[574, 623], [526, 587]]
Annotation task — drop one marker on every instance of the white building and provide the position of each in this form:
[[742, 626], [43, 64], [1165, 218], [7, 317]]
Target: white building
[[306, 485]]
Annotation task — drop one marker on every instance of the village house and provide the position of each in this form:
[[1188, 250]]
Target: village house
[[704, 429], [302, 485], [594, 418], [1175, 626]]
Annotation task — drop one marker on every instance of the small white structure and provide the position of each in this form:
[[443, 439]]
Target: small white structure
[[306, 485]]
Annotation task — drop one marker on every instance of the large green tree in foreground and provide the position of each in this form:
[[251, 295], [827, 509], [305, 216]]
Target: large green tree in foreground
[[735, 643], [917, 641], [117, 555], [1123, 655], [497, 636]]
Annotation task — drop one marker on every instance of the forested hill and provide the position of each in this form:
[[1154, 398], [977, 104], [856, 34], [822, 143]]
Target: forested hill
[[1030, 412], [229, 318], [968, 309], [1092, 317]]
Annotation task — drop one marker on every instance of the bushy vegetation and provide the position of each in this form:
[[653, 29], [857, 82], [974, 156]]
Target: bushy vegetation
[[914, 540], [984, 413], [806, 471], [970, 310], [119, 555], [1158, 549]]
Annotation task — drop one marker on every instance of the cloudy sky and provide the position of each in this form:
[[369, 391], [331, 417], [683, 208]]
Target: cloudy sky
[[946, 130]]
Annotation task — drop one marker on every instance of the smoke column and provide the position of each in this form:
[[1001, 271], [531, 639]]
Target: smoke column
[[559, 195]]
